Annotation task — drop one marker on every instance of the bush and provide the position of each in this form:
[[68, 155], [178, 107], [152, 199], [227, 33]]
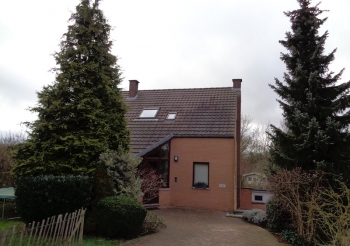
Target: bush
[[151, 223], [6, 164], [121, 167], [278, 219], [8, 143], [40, 197], [255, 216], [115, 175], [294, 239], [120, 216], [9, 209]]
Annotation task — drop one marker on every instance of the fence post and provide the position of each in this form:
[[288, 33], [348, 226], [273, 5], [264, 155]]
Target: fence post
[[13, 233], [82, 218], [3, 235]]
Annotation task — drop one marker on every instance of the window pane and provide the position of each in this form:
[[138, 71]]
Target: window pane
[[201, 173], [154, 165], [153, 153], [148, 113], [171, 116], [164, 151], [258, 198], [164, 170]]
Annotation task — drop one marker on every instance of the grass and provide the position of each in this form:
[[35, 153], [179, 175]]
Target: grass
[[5, 224], [94, 241], [87, 241]]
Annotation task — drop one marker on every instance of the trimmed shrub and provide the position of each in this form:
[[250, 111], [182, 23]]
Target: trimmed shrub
[[120, 217], [151, 223], [255, 216], [278, 218], [40, 197], [294, 239]]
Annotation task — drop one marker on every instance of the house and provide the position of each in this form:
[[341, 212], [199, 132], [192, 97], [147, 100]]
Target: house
[[254, 192], [191, 136]]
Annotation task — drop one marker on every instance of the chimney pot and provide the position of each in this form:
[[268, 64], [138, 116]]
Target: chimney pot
[[133, 88], [237, 83]]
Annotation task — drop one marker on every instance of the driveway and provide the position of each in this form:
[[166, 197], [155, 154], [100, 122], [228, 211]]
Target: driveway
[[201, 227]]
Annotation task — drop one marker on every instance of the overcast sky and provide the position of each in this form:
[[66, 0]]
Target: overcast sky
[[164, 44]]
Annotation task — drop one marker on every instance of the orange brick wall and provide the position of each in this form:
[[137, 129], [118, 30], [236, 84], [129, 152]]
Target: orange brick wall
[[246, 200], [164, 197], [219, 153]]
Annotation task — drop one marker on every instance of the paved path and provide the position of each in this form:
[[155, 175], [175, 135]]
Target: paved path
[[202, 228]]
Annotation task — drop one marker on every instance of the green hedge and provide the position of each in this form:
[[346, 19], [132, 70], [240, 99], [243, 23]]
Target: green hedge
[[120, 217], [292, 238], [278, 218], [40, 197]]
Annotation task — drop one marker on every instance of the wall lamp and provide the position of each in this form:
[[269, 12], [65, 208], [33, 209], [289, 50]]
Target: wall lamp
[[176, 158]]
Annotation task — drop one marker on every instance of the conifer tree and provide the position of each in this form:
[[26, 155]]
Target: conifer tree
[[315, 104], [81, 114]]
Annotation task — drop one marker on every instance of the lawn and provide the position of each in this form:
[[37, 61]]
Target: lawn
[[87, 241], [5, 224], [93, 241]]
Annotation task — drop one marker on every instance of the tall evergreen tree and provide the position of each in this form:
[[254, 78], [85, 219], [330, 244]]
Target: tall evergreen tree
[[81, 114], [315, 107]]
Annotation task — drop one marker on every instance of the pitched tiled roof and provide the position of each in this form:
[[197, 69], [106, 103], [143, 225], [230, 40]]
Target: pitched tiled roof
[[204, 112]]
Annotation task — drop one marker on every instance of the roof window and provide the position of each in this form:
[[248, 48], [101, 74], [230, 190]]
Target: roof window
[[149, 113], [171, 116]]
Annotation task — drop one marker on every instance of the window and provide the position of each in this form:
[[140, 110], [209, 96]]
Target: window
[[164, 170], [201, 175], [158, 159], [149, 113], [258, 198], [171, 116]]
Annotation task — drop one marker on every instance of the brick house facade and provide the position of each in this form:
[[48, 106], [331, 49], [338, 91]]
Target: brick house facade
[[191, 136]]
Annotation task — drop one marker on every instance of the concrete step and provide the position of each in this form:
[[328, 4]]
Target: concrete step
[[241, 211], [151, 205], [234, 215], [237, 213]]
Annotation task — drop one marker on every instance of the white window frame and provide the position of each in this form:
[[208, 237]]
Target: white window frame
[[148, 110], [171, 116], [258, 200]]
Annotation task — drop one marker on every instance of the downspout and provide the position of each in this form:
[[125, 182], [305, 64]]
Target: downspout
[[237, 174]]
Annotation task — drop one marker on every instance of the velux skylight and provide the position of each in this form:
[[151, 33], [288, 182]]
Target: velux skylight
[[149, 113], [171, 116]]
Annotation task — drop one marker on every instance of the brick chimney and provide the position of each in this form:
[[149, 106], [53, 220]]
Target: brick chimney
[[237, 83], [238, 174], [133, 88]]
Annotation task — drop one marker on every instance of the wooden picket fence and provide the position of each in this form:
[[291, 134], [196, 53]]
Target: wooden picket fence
[[67, 230]]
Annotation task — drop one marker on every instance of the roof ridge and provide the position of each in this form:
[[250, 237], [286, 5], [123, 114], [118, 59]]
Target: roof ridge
[[184, 89]]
